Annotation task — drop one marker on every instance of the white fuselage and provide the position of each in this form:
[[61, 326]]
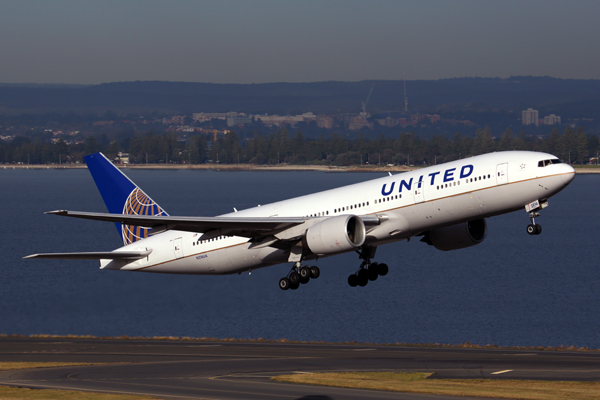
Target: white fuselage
[[408, 204]]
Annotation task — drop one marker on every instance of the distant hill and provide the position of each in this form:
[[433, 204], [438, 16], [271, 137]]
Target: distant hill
[[472, 94]]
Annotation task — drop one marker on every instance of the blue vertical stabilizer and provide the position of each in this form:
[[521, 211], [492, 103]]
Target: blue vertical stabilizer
[[121, 196]]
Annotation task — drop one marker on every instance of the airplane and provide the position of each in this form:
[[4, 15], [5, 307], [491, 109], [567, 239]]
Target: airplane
[[446, 205]]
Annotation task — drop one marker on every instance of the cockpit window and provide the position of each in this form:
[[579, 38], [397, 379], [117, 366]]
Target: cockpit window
[[548, 162]]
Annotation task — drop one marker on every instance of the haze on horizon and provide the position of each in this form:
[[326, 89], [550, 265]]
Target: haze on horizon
[[261, 41]]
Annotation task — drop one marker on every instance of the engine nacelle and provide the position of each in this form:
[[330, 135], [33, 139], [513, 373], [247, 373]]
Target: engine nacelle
[[336, 235], [458, 236]]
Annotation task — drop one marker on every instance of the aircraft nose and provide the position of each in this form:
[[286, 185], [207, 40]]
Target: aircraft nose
[[569, 174]]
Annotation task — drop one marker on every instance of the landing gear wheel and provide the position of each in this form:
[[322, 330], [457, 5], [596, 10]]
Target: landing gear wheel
[[353, 280], [294, 286], [362, 282], [294, 279], [304, 275], [372, 274], [315, 272], [538, 229], [531, 229], [284, 284], [363, 277], [382, 269]]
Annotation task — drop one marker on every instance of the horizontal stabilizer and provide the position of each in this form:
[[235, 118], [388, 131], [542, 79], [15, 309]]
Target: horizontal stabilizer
[[101, 255]]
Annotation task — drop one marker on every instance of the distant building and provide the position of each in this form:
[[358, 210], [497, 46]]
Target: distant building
[[123, 158], [358, 122], [434, 118], [325, 122], [201, 117], [281, 120], [388, 122], [530, 117], [174, 120], [232, 121], [551, 120]]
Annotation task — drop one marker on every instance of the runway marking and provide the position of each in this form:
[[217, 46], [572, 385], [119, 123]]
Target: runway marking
[[362, 349], [501, 372]]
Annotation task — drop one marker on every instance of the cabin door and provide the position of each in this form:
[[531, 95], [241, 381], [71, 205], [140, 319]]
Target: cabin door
[[418, 191], [502, 174], [178, 248]]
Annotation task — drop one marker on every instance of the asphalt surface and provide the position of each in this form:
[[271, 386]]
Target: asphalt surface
[[241, 370]]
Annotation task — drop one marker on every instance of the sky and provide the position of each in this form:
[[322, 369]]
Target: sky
[[260, 41]]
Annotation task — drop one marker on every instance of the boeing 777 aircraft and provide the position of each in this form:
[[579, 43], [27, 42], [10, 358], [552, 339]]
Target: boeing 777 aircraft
[[444, 204]]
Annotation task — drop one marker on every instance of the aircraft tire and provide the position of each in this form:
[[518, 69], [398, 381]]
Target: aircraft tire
[[304, 275], [294, 278], [382, 269], [372, 273], [362, 281], [294, 287], [353, 280], [363, 277], [284, 284], [531, 229], [315, 272], [363, 273], [538, 229]]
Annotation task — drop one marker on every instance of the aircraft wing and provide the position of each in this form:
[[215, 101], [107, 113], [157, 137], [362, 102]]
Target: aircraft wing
[[235, 226], [251, 227], [106, 255]]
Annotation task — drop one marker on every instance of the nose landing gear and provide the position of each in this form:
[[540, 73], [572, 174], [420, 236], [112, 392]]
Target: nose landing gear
[[533, 208]]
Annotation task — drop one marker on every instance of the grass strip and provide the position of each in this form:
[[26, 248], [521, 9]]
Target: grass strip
[[417, 382], [25, 365], [15, 393]]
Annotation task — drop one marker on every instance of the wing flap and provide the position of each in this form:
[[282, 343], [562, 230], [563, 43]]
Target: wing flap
[[101, 255]]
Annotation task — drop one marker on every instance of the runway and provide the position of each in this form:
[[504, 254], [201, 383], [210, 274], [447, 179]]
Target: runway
[[241, 370]]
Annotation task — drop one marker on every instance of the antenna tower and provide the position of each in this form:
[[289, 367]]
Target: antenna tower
[[364, 104]]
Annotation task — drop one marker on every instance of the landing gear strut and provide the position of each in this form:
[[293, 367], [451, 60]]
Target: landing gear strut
[[299, 274], [368, 271]]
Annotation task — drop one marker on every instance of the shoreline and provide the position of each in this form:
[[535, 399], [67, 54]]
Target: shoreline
[[226, 167], [252, 167], [292, 341]]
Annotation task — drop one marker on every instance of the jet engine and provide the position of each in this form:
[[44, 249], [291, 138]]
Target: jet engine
[[457, 236], [336, 235]]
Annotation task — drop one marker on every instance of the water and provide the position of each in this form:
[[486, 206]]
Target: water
[[513, 289]]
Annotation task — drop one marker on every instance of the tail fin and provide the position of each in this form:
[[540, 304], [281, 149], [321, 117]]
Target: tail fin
[[121, 196]]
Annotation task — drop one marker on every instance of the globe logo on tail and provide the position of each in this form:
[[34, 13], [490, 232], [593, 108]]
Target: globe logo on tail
[[138, 203]]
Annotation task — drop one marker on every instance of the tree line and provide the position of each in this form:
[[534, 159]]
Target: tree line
[[572, 145]]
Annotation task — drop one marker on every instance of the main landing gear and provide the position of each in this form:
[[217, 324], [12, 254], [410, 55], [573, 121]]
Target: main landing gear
[[368, 271], [299, 274]]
